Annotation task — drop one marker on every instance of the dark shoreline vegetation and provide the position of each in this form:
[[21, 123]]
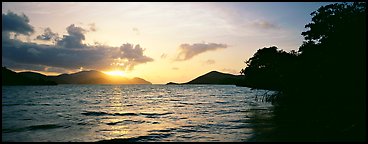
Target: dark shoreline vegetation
[[321, 87]]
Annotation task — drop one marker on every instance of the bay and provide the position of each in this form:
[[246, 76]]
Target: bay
[[89, 113]]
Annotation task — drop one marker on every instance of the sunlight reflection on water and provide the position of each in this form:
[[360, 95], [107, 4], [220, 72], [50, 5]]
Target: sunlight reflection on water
[[129, 112]]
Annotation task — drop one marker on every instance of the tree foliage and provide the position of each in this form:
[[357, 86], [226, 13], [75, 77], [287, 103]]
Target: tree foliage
[[326, 78], [269, 68]]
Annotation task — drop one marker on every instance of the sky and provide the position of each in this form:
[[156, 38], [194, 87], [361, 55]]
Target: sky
[[160, 42]]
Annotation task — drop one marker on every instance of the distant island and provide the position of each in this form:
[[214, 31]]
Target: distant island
[[214, 77], [10, 77], [219, 78]]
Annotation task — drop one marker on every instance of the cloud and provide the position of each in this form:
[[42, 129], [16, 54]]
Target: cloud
[[74, 39], [92, 27], [133, 55], [175, 68], [163, 56], [187, 51], [69, 53], [265, 25], [11, 22], [93, 57], [209, 62], [48, 35], [52, 56], [136, 30]]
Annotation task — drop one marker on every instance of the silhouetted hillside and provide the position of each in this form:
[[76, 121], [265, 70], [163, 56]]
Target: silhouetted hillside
[[138, 80], [215, 77], [84, 77], [9, 77], [95, 77], [172, 83], [33, 75]]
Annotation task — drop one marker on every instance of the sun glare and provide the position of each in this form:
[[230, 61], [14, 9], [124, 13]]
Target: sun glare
[[116, 73]]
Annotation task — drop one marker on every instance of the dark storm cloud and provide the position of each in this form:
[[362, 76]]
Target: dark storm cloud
[[187, 51], [12, 22], [94, 57], [68, 53], [74, 39], [48, 35], [49, 55]]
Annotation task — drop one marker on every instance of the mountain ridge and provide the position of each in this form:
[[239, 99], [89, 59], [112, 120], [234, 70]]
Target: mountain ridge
[[214, 77], [10, 77]]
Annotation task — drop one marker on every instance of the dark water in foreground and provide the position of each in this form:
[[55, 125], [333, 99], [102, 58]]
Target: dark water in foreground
[[133, 113]]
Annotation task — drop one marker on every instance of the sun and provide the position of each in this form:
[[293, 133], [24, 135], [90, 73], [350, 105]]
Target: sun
[[116, 73]]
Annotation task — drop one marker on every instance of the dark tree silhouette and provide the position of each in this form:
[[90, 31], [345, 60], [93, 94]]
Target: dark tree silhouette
[[322, 88], [269, 68]]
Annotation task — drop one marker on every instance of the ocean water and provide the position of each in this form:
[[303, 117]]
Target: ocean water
[[88, 113]]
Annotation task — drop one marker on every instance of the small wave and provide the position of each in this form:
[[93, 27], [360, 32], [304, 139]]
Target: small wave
[[43, 127], [190, 126], [185, 130], [154, 115], [185, 136], [98, 113], [155, 122], [125, 114], [45, 104], [114, 123], [30, 104], [258, 109], [26, 119], [241, 126], [33, 127], [88, 113], [93, 113], [5, 130], [201, 103], [188, 103], [208, 126], [11, 104], [178, 106], [126, 122], [145, 113], [221, 102], [150, 137], [247, 120], [83, 123], [164, 130]]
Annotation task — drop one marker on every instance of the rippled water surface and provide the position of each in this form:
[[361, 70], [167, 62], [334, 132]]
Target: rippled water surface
[[132, 113]]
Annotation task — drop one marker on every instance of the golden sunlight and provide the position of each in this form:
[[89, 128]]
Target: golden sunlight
[[116, 73]]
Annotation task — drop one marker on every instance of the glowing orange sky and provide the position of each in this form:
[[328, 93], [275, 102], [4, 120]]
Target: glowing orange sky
[[207, 36]]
